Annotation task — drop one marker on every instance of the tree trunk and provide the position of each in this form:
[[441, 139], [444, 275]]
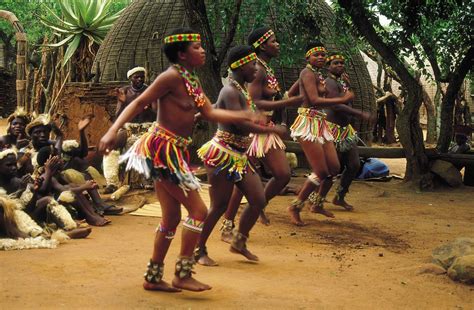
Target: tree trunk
[[408, 123], [411, 138], [447, 104], [379, 73], [390, 119], [437, 103], [431, 115]]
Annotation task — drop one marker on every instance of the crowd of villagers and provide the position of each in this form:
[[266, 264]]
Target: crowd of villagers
[[48, 191]]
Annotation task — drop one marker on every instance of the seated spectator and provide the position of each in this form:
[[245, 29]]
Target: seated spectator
[[41, 209], [78, 169], [39, 131], [50, 167], [16, 136]]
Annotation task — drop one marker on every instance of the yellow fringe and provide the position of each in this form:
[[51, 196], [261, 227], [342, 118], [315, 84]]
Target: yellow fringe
[[214, 154]]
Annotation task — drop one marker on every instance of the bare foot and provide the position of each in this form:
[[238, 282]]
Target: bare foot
[[264, 219], [190, 284], [112, 210], [205, 260], [295, 218], [99, 221], [322, 211], [81, 223], [160, 286], [226, 236], [343, 204], [79, 233], [248, 255]]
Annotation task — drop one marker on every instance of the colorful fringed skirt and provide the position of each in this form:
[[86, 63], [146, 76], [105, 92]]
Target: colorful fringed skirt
[[263, 142], [311, 125], [226, 152], [161, 154], [344, 137]]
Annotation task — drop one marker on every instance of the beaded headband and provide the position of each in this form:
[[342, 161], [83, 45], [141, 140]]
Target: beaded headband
[[316, 49], [263, 38], [337, 56], [242, 61], [187, 37]]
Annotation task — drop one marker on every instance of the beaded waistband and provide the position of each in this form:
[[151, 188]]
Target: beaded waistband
[[237, 141], [167, 135], [311, 112]]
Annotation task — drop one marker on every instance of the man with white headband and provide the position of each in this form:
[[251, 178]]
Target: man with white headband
[[125, 95]]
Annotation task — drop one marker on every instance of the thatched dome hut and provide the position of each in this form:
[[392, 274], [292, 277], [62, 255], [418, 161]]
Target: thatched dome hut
[[136, 39]]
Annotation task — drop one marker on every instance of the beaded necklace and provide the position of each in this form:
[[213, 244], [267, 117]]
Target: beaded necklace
[[340, 81], [316, 72], [193, 85], [138, 89], [246, 94], [271, 79]]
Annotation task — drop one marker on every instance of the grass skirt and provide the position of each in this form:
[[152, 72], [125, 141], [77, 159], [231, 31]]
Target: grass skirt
[[311, 125], [263, 142], [344, 137], [161, 154], [217, 153]]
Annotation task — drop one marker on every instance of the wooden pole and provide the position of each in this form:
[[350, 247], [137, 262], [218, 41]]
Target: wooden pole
[[396, 152], [21, 49]]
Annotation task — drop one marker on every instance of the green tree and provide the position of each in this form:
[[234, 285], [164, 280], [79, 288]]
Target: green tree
[[27, 13], [429, 31]]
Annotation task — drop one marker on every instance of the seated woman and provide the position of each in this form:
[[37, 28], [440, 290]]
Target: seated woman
[[50, 167]]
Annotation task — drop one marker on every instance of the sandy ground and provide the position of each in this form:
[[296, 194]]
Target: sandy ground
[[364, 259]]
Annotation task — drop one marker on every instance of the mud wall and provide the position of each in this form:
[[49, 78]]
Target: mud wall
[[80, 99]]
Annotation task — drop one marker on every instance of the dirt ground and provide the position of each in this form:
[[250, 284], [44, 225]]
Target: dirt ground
[[364, 259]]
